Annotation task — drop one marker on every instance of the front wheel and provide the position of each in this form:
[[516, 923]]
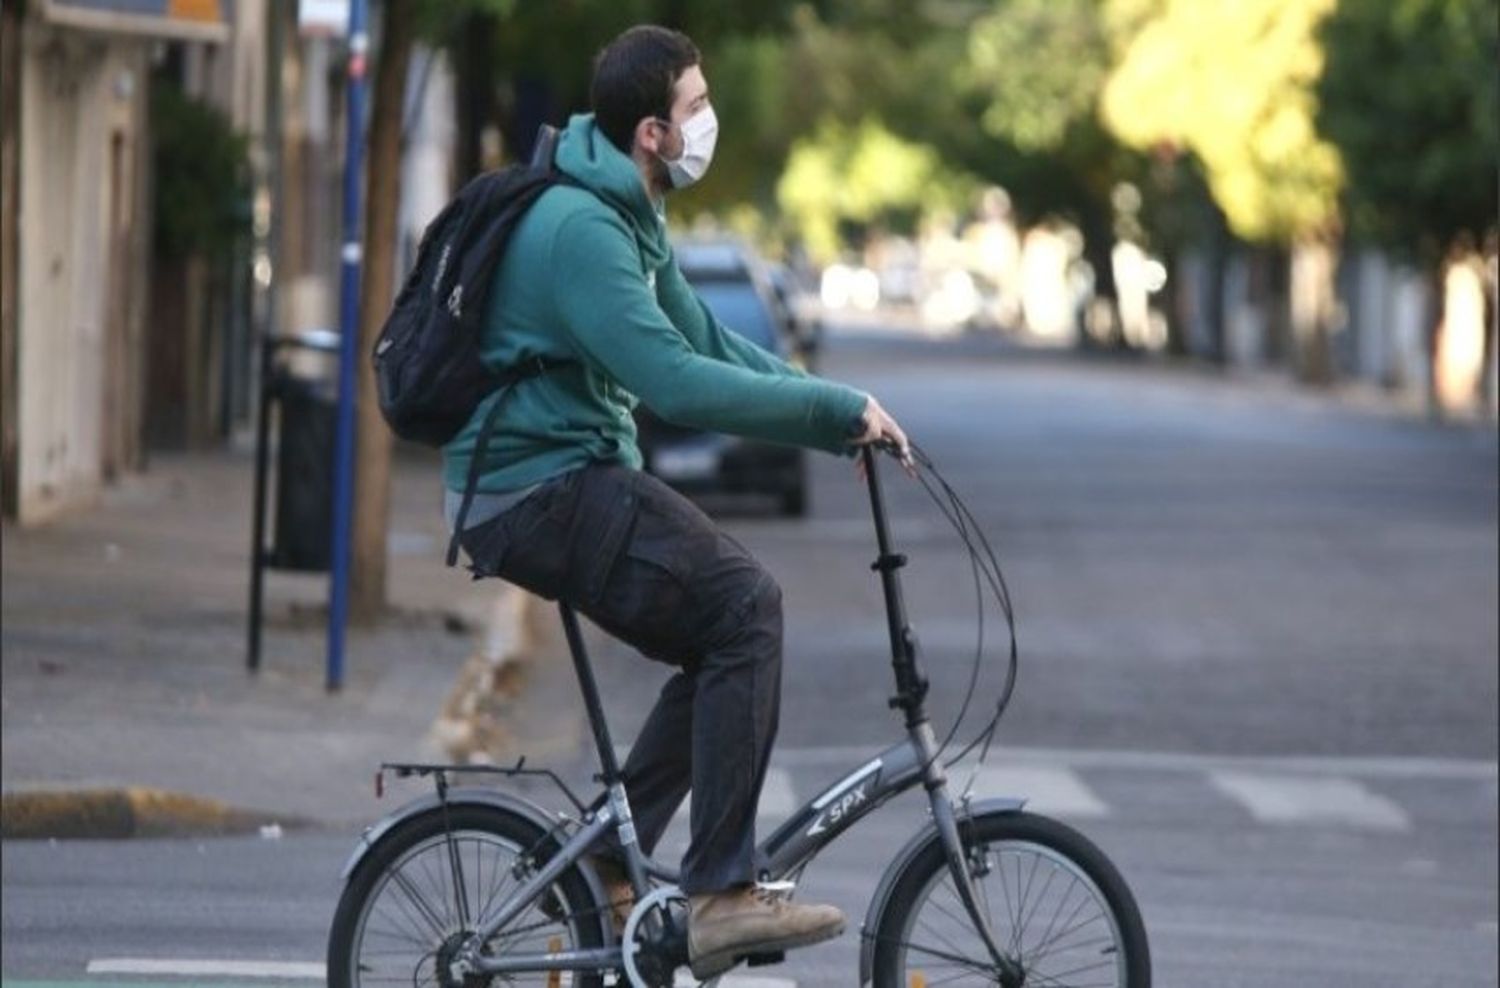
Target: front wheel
[[1054, 902]]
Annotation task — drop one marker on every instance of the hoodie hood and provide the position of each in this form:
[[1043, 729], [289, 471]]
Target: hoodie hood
[[585, 154]]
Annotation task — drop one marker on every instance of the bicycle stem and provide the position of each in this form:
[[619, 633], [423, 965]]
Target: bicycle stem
[[911, 693], [911, 685]]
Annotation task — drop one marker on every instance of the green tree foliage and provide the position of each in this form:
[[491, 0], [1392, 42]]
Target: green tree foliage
[[1232, 81], [1040, 65], [202, 170], [753, 94], [862, 174], [547, 50], [1408, 94], [919, 80]]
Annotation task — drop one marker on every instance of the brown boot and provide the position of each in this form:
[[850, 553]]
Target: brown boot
[[725, 926], [618, 891], [619, 895]]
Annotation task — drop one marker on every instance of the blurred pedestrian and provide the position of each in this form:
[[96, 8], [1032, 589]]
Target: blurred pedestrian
[[1460, 340], [996, 248]]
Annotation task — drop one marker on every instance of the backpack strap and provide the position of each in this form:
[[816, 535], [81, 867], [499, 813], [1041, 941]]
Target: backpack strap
[[508, 380], [541, 158], [546, 147]]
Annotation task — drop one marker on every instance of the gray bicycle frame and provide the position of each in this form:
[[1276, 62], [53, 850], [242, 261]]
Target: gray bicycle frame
[[790, 847], [793, 844]]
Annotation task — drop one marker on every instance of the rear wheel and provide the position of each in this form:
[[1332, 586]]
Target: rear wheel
[[793, 499], [400, 916], [1054, 902]]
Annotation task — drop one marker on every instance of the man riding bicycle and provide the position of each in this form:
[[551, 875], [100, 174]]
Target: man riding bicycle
[[563, 509]]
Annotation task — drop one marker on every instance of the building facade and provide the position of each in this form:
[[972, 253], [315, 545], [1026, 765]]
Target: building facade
[[77, 232]]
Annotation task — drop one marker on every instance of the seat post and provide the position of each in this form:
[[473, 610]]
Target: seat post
[[607, 761]]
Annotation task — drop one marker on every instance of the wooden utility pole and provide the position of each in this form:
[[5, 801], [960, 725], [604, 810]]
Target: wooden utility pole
[[473, 48], [372, 470], [10, 255]]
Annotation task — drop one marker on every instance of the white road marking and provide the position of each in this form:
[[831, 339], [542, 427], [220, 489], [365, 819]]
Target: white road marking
[[1274, 789], [1046, 790], [209, 968], [777, 798], [1286, 799], [1462, 769], [310, 971]]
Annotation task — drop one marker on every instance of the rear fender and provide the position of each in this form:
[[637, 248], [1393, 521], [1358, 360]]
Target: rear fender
[[527, 810]]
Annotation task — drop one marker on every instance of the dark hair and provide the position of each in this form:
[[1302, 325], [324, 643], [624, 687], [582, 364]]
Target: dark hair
[[633, 78]]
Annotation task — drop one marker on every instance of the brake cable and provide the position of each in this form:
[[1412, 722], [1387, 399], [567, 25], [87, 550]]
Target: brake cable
[[983, 564]]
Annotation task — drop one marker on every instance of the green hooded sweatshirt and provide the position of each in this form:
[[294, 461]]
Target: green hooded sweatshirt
[[590, 276]]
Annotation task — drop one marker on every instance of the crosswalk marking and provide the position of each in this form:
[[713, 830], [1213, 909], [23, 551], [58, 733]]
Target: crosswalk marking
[[183, 967], [1280, 791], [1046, 790], [1415, 767], [310, 971], [1286, 799]]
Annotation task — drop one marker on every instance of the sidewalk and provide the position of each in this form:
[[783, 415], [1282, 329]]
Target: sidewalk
[[124, 657]]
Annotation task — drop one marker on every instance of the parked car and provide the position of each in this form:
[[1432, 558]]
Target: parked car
[[797, 305], [736, 286]]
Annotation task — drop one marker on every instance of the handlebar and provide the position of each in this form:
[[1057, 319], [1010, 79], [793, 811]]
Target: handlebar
[[884, 445]]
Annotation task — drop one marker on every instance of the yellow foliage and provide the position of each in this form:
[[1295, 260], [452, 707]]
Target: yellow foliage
[[859, 173], [1232, 81]]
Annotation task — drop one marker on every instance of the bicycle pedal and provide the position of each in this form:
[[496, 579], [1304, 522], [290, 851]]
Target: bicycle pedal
[[762, 960]]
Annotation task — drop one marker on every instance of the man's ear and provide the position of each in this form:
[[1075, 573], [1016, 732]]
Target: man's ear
[[648, 136]]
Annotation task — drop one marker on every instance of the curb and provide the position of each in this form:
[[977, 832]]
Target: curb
[[504, 702], [132, 811]]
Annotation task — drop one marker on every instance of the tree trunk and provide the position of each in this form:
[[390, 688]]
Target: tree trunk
[[1175, 301], [1314, 263], [1218, 271], [10, 242], [372, 476], [474, 66]]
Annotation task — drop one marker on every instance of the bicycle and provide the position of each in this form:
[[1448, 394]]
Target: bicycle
[[469, 887]]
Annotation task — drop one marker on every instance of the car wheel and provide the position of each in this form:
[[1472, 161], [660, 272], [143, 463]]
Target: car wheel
[[794, 502]]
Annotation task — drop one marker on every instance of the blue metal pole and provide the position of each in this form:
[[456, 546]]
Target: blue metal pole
[[343, 488]]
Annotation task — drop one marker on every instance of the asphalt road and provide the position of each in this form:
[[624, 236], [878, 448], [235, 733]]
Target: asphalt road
[[1258, 637]]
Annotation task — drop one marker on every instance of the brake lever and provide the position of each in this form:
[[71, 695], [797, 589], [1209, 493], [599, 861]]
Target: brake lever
[[893, 449]]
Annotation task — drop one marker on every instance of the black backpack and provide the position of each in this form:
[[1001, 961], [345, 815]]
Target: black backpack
[[428, 372]]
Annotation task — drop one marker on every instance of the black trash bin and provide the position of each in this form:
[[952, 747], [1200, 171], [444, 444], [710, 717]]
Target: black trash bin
[[304, 473]]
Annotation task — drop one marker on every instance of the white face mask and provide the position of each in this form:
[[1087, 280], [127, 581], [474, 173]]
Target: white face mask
[[700, 133]]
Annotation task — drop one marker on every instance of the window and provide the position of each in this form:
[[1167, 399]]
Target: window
[[737, 305]]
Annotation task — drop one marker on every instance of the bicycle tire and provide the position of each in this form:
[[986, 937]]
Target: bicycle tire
[[472, 825], [899, 960]]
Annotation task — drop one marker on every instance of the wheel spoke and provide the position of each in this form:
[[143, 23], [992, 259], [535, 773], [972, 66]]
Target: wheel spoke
[[1041, 898], [414, 897], [1061, 903], [413, 910], [950, 979], [1049, 938], [401, 935], [958, 959], [1036, 860], [946, 942], [1043, 949], [1056, 979], [435, 870], [1054, 909]]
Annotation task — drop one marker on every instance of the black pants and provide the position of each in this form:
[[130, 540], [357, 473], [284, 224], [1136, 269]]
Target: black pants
[[650, 568]]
